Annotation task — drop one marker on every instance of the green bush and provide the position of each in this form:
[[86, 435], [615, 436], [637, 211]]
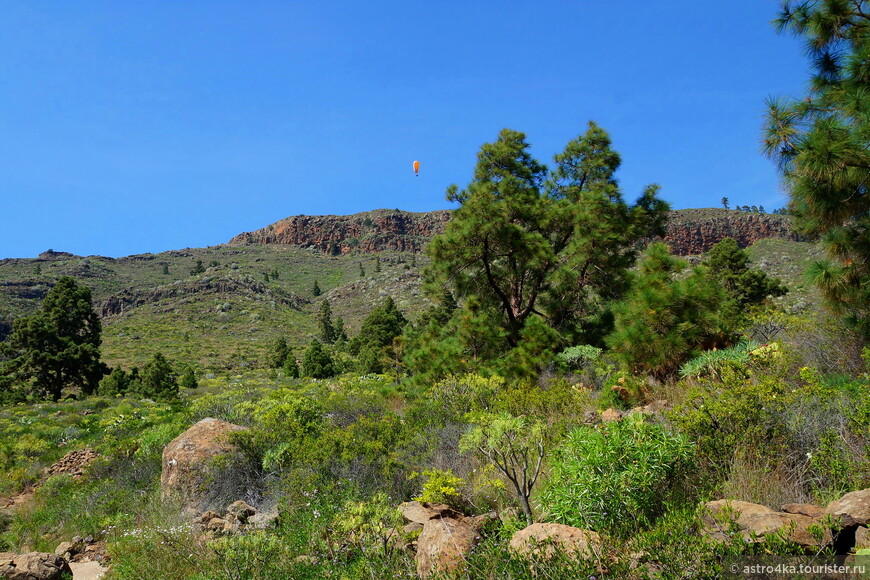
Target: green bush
[[711, 362], [441, 487], [578, 357], [617, 476]]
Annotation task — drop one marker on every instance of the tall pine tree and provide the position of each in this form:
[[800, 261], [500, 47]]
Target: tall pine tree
[[821, 145]]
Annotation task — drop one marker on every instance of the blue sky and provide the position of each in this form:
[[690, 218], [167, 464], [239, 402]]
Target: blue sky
[[131, 127]]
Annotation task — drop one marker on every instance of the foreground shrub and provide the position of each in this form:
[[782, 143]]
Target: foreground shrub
[[617, 475]]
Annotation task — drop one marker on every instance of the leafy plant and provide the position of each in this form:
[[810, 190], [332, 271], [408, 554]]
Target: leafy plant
[[618, 475]]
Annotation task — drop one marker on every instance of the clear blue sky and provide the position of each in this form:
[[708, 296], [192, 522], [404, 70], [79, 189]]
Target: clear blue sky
[[130, 127]]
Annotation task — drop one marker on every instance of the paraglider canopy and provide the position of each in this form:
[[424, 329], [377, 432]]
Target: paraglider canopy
[[416, 169]]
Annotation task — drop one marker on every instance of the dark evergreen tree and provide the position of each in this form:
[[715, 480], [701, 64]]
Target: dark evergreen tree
[[725, 202], [667, 317], [165, 269], [527, 242], [377, 263], [157, 381], [291, 369], [115, 383], [729, 266], [380, 327], [188, 379], [820, 143], [315, 290], [198, 269], [57, 347], [280, 350], [338, 331], [324, 323], [316, 362]]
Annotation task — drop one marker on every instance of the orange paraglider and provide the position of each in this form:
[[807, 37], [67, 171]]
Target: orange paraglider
[[416, 169]]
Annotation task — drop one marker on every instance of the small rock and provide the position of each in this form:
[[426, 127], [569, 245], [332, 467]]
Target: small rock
[[414, 511], [263, 520], [862, 538], [611, 415], [208, 516], [240, 511]]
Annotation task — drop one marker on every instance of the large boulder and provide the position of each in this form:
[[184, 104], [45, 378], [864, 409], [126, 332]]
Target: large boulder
[[34, 566], [755, 522], [188, 458], [853, 509], [547, 539], [443, 544], [446, 535]]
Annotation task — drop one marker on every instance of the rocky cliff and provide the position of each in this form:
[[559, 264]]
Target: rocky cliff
[[690, 231], [372, 231]]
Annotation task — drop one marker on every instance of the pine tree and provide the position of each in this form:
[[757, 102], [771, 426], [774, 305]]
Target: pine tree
[[291, 369], [158, 380], [280, 351], [820, 144], [315, 290], [725, 202], [667, 318], [527, 242], [324, 323], [188, 379], [338, 331], [377, 263], [58, 346], [316, 362], [730, 267]]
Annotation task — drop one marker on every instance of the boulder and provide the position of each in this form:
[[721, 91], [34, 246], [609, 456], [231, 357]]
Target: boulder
[[755, 522], [611, 415], [805, 509], [34, 566], [853, 509], [187, 458], [736, 510], [862, 538], [263, 520], [68, 550], [443, 544], [240, 511], [547, 539], [414, 511]]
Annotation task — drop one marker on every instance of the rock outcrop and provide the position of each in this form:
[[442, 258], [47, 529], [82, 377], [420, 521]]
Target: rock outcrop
[[689, 232], [187, 459], [194, 290], [372, 231], [34, 566], [755, 522]]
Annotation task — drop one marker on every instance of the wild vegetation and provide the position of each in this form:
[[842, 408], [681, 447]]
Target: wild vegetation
[[542, 362]]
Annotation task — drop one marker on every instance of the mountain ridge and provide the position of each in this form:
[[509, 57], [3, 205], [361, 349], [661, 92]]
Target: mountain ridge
[[689, 231]]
